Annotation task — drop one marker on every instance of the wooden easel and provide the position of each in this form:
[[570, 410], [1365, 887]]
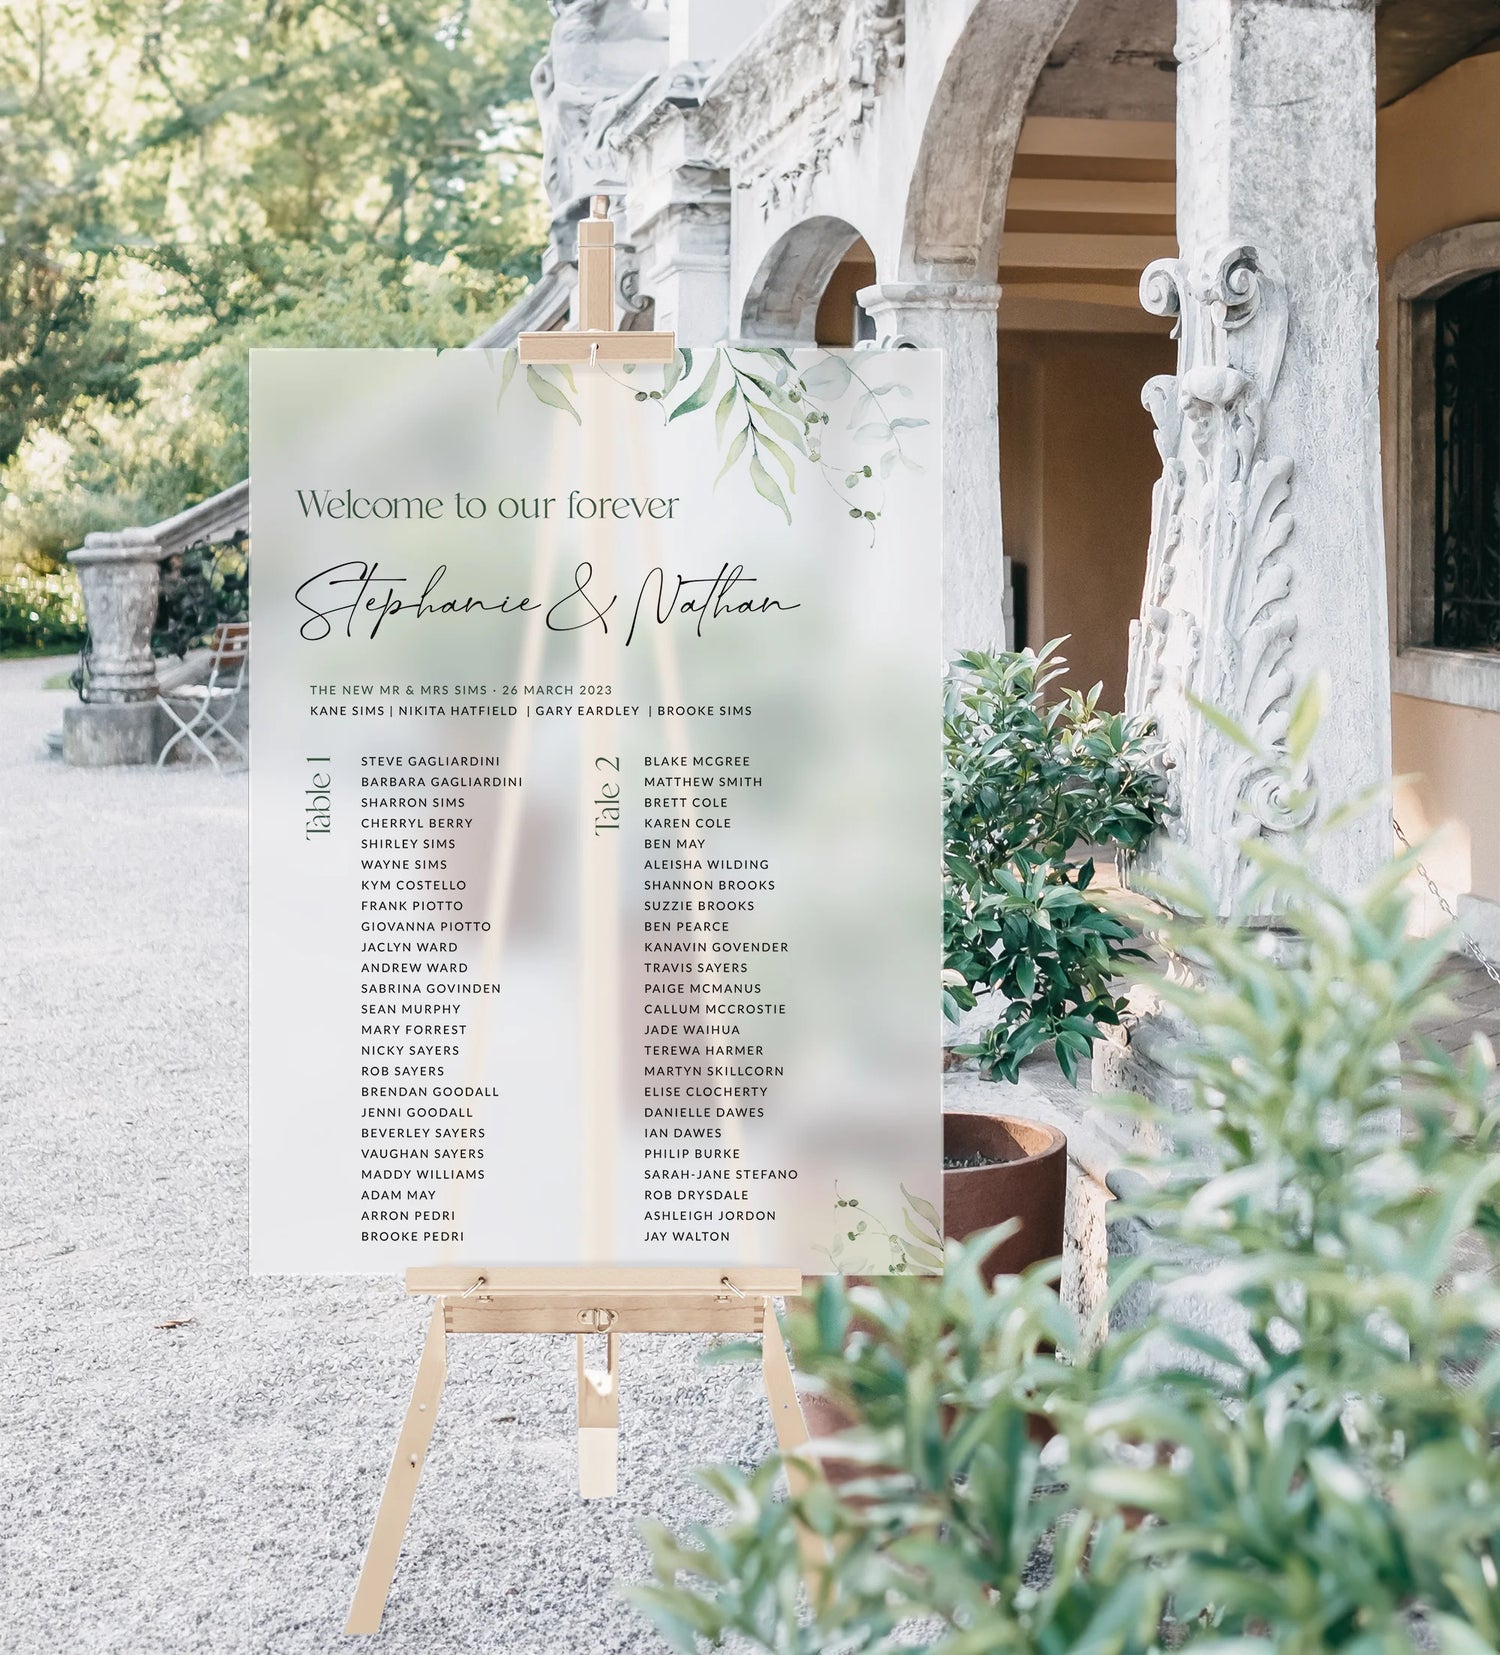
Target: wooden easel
[[579, 1300]]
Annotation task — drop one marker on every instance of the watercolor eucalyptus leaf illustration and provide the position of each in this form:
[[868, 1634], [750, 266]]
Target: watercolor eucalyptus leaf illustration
[[865, 1244], [774, 417], [552, 385]]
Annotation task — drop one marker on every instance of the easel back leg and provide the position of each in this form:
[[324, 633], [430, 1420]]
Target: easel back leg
[[599, 1423]]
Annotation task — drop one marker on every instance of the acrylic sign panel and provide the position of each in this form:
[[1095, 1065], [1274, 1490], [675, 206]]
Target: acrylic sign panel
[[595, 811]]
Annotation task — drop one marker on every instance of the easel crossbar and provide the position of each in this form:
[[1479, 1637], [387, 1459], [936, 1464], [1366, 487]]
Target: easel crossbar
[[603, 1312], [484, 1280]]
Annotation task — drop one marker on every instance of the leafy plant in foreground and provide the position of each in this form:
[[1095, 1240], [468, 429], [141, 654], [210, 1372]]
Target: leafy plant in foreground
[[1028, 780], [1295, 1451]]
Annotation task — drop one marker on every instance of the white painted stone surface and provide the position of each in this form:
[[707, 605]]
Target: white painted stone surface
[[707, 31], [958, 318], [1479, 918], [1267, 560]]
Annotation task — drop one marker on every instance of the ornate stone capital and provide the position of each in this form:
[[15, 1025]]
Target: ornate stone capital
[[1217, 618], [890, 296], [905, 312]]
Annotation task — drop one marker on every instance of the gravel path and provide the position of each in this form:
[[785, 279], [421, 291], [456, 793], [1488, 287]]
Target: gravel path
[[209, 1486]]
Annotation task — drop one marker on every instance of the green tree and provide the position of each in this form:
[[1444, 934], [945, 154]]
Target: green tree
[[173, 170]]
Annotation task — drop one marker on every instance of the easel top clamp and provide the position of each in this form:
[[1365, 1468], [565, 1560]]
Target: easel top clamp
[[595, 340]]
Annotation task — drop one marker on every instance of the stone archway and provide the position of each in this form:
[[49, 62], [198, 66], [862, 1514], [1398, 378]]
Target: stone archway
[[781, 304], [956, 203]]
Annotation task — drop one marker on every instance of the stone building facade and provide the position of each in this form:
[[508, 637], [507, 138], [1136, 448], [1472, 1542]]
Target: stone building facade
[[1216, 284]]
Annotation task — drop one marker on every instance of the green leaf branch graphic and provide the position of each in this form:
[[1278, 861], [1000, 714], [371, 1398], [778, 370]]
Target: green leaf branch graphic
[[773, 417], [697, 399], [551, 391], [864, 1244]]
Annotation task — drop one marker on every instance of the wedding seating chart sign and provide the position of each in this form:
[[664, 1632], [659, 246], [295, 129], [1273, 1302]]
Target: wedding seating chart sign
[[595, 811]]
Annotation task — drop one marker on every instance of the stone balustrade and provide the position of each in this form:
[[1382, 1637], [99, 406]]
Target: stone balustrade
[[119, 571]]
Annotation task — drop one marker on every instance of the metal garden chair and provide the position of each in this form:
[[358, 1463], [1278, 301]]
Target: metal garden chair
[[214, 701]]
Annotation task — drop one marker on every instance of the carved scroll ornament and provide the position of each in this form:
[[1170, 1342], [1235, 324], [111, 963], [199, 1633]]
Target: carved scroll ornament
[[1217, 622]]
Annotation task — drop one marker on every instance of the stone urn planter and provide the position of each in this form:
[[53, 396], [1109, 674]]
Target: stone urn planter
[[995, 1168]]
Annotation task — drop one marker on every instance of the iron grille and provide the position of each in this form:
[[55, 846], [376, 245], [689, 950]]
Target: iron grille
[[1466, 587]]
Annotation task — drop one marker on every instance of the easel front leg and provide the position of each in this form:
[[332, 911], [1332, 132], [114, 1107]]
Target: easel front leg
[[401, 1482]]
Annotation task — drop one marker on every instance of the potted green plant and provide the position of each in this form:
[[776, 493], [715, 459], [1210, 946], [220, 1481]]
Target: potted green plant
[[1032, 781], [1313, 1467]]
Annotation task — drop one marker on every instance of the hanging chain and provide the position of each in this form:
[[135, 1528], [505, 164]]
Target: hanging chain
[[1471, 947]]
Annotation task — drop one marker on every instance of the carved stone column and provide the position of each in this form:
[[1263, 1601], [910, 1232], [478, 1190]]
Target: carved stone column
[[120, 575], [678, 207], [1266, 561], [959, 318], [687, 266]]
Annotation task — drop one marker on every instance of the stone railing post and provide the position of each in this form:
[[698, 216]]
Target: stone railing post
[[120, 575], [959, 318]]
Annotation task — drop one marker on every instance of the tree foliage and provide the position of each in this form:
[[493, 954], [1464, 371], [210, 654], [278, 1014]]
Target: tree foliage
[[182, 178]]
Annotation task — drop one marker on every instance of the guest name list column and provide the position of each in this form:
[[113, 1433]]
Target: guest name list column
[[421, 1137], [712, 1051]]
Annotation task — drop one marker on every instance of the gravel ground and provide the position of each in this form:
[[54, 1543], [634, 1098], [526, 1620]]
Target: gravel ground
[[210, 1486]]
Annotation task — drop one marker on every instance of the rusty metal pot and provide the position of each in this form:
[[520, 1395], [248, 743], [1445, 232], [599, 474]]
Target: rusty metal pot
[[1026, 1179]]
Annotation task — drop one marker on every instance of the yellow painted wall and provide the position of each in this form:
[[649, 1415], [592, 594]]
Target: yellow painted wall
[[1438, 167], [835, 323], [1077, 465]]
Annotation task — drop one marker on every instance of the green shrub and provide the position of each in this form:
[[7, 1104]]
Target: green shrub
[[1027, 781], [202, 587], [40, 612], [1316, 1471]]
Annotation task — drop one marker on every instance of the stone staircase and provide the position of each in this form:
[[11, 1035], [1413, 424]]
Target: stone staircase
[[119, 572]]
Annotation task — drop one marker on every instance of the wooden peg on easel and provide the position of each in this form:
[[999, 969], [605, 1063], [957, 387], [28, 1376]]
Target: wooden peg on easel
[[595, 340]]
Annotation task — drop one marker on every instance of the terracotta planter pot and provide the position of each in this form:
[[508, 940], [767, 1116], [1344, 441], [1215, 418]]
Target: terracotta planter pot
[[1028, 1181]]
